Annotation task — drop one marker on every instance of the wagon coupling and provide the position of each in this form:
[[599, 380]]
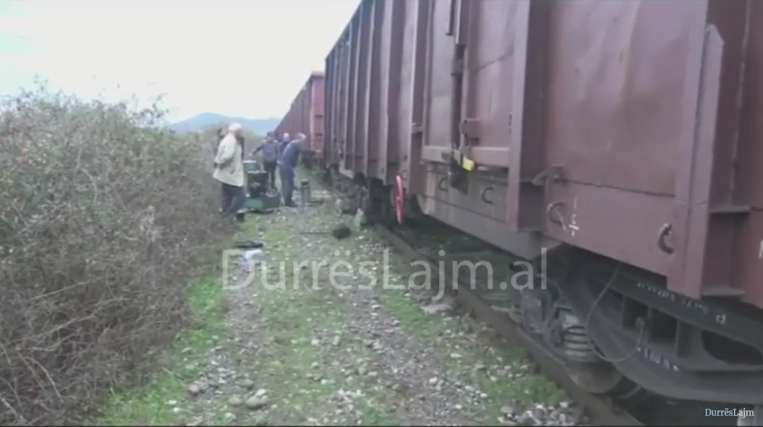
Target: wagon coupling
[[666, 231]]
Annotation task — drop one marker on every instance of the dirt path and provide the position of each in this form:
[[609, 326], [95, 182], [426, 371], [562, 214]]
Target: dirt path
[[293, 349]]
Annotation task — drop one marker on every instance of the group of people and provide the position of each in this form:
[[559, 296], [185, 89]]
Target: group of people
[[280, 154]]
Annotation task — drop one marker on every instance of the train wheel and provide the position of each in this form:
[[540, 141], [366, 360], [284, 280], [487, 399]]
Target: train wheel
[[604, 379], [595, 378], [399, 199]]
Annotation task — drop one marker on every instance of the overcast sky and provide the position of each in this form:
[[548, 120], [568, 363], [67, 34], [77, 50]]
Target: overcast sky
[[240, 58]]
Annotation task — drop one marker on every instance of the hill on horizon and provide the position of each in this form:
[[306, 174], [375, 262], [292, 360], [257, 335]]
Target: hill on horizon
[[205, 120]]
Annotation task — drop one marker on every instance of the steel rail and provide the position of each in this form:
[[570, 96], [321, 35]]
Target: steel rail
[[601, 410]]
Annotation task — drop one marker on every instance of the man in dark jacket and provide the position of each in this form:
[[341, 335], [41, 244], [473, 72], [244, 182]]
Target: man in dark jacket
[[269, 150], [288, 164], [282, 143]]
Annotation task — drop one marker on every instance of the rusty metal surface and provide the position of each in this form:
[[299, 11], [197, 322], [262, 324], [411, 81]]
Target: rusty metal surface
[[627, 128], [370, 84], [306, 113], [642, 115], [313, 112]]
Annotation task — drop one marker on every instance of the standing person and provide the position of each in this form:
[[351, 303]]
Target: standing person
[[269, 150], [229, 171], [285, 138], [289, 162], [220, 134]]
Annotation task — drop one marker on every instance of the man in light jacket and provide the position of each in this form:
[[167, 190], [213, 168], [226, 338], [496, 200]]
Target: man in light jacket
[[221, 132], [229, 171]]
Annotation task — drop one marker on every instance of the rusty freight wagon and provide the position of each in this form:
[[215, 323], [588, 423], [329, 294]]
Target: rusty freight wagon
[[306, 116], [620, 138]]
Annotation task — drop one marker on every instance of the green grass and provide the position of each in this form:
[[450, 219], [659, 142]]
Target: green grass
[[524, 390], [374, 416], [292, 368], [301, 377], [149, 405]]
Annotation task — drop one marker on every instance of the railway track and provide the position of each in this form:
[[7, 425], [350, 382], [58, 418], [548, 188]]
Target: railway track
[[432, 244], [435, 243], [599, 410]]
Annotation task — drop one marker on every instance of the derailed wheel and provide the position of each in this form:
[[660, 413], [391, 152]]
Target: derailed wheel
[[399, 198]]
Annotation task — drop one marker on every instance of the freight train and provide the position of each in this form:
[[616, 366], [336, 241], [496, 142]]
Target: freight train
[[306, 116], [620, 140]]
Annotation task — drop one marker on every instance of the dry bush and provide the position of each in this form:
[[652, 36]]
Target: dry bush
[[104, 220]]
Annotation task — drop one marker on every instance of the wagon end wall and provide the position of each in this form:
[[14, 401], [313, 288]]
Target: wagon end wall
[[306, 114]]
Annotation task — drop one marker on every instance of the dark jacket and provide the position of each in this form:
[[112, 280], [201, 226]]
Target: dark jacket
[[290, 155], [269, 151], [281, 146]]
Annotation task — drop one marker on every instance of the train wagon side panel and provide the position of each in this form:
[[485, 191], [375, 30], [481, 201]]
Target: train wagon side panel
[[348, 67], [388, 107], [299, 109], [348, 98], [306, 114], [302, 120], [472, 53], [315, 113], [370, 90], [747, 258], [343, 97], [651, 135], [331, 118], [304, 125], [628, 132], [640, 126], [619, 141], [328, 118], [336, 101], [376, 83], [404, 91], [468, 60]]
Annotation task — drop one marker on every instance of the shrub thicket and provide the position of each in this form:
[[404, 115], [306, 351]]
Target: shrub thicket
[[104, 220]]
